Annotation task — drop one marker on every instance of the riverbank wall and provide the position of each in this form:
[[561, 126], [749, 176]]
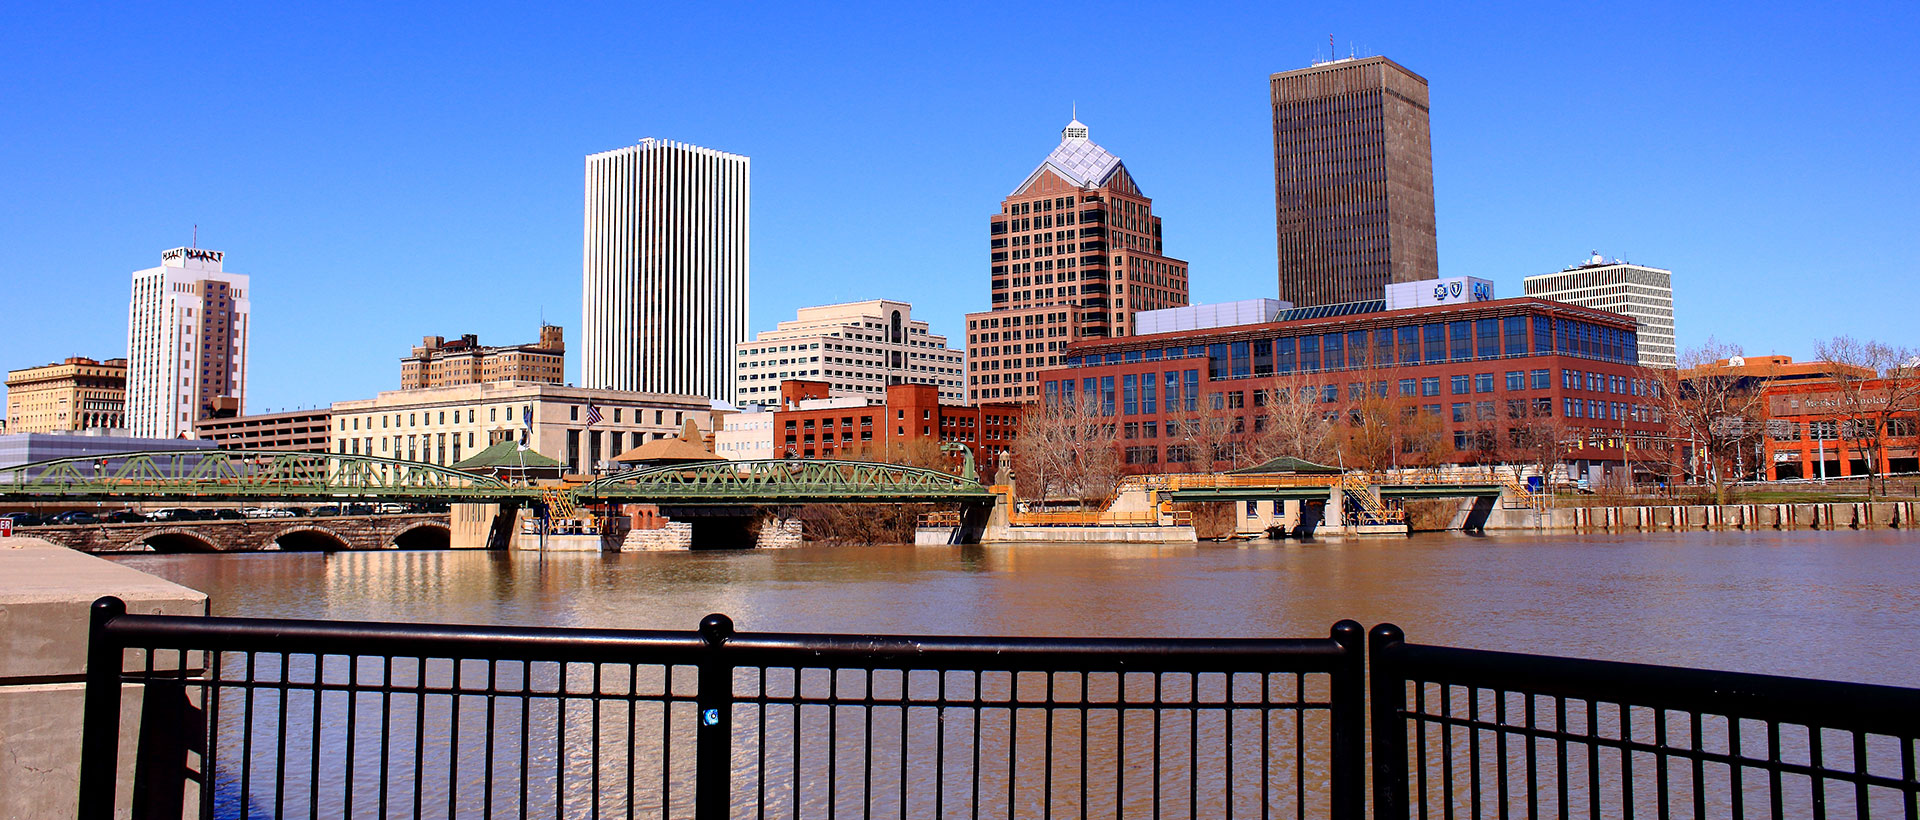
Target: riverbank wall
[[1676, 518]]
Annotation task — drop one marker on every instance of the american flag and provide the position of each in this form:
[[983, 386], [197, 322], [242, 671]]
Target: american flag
[[593, 414]]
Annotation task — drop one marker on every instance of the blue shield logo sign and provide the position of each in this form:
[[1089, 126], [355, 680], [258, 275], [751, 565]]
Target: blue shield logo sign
[[1455, 288]]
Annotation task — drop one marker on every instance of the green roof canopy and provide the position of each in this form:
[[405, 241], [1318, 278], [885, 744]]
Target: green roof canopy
[[1287, 464], [506, 455]]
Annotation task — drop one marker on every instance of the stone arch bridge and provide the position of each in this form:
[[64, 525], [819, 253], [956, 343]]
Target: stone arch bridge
[[326, 534]]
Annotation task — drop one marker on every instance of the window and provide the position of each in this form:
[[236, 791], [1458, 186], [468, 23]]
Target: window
[[1430, 385], [1130, 394], [1516, 333], [1459, 385], [1435, 342], [1483, 383], [1408, 387], [1483, 411], [1460, 335], [1541, 379], [1460, 411], [1330, 394], [1148, 403], [1487, 338], [1516, 381], [1570, 380]]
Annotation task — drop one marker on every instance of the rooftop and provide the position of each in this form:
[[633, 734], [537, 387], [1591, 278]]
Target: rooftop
[[1077, 159]]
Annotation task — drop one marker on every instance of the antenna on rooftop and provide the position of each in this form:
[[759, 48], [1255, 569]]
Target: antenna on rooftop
[[1331, 54], [196, 237]]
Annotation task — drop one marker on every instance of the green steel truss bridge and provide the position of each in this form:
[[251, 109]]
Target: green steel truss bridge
[[782, 481], [235, 475]]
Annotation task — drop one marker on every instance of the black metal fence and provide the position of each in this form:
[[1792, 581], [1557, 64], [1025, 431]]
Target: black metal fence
[[1472, 733], [246, 718], [265, 718]]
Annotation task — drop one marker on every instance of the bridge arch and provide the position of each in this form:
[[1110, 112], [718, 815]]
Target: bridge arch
[[310, 538], [424, 535], [178, 540]]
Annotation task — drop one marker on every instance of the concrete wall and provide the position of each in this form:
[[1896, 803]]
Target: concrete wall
[[1666, 518], [45, 592]]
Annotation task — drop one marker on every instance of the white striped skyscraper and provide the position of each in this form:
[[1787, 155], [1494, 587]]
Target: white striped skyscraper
[[664, 269]]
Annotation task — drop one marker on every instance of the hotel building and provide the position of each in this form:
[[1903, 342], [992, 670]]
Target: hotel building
[[77, 394], [1644, 293], [1352, 180], [188, 327], [443, 425], [859, 349], [664, 269], [440, 363], [1075, 252]]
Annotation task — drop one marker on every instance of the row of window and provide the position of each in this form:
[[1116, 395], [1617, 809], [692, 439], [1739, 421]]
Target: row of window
[[1409, 344]]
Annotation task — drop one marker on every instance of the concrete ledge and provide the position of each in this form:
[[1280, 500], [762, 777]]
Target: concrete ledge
[[1132, 535], [45, 594]]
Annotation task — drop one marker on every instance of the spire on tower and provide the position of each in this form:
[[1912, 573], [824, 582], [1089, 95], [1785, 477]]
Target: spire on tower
[[1075, 130]]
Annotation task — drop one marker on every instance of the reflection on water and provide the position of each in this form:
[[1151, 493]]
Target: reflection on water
[[511, 738], [1839, 604]]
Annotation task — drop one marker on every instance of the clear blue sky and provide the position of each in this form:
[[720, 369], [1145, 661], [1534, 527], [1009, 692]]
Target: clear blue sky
[[388, 171]]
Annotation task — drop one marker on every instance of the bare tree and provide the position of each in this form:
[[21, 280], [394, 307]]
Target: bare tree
[[1876, 391], [1067, 447], [1292, 421], [1539, 441], [1043, 449], [1714, 405]]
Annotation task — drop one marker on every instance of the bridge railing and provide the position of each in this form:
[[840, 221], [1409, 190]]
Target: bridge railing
[[336, 719], [1474, 733]]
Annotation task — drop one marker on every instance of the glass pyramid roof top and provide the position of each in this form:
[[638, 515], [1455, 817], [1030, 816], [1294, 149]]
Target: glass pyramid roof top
[[1078, 159]]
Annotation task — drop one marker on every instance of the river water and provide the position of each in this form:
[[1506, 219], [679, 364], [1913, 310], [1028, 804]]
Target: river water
[[1827, 604]]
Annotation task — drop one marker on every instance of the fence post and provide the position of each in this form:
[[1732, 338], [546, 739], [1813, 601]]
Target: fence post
[[1389, 724], [1349, 706], [713, 739], [100, 718]]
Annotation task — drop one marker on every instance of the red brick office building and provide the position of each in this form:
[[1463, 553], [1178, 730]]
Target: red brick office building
[[911, 413], [1489, 365], [1075, 252]]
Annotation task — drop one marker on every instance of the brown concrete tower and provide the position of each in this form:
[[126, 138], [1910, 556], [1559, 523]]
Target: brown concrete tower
[[1076, 252], [1352, 180]]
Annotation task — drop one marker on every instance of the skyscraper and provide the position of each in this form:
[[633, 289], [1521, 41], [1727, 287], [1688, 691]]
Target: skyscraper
[[1638, 291], [664, 269], [1352, 180], [188, 326], [1076, 252]]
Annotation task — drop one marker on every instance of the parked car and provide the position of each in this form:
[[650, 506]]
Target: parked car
[[326, 510], [224, 514], [125, 517], [295, 512], [72, 517], [23, 519], [357, 509], [390, 508], [255, 512], [166, 514]]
